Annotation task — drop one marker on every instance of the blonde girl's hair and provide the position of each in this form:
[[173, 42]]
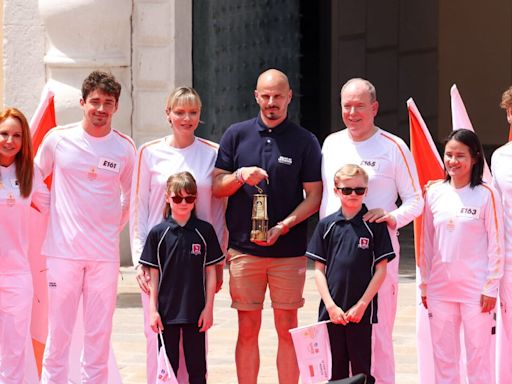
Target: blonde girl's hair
[[181, 181], [24, 160]]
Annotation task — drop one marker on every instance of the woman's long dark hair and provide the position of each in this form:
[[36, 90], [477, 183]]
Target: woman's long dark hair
[[471, 140]]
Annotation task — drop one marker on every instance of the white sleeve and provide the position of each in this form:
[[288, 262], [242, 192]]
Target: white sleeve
[[426, 246], [139, 207], [495, 182], [409, 190], [126, 180], [40, 192], [329, 202], [496, 243], [45, 156]]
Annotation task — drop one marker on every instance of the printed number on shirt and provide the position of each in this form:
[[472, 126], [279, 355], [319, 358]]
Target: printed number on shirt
[[108, 164], [371, 164], [473, 213]]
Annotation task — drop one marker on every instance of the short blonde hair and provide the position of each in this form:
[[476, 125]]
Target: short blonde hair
[[349, 171], [506, 99], [183, 96]]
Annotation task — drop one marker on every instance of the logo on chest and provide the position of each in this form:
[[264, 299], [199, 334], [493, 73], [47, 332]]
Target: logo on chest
[[285, 160], [364, 243], [109, 165], [196, 249]]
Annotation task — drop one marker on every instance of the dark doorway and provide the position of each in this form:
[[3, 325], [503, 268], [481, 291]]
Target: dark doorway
[[235, 40], [315, 72]]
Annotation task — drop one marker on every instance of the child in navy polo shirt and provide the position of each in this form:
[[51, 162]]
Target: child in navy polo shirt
[[182, 252], [351, 258]]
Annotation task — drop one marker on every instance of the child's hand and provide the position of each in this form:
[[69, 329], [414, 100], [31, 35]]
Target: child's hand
[[156, 322], [355, 314], [205, 320], [337, 315]]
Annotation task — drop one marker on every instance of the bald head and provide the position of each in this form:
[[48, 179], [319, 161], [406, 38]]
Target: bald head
[[273, 94], [272, 77]]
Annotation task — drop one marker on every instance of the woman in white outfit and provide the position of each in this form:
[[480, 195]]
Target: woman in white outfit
[[20, 186], [156, 161], [502, 180], [462, 261]]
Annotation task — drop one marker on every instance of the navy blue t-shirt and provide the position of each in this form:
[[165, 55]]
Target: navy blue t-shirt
[[291, 155], [181, 254], [350, 249]]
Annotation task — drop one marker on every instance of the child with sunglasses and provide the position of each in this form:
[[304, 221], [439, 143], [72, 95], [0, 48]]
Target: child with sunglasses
[[351, 258], [181, 253]]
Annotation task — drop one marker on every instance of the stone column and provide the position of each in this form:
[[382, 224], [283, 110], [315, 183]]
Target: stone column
[[84, 35]]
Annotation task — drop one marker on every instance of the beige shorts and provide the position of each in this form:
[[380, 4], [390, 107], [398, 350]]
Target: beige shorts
[[249, 276]]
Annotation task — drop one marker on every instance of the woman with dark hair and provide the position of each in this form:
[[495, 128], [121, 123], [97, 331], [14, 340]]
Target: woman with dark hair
[[20, 186], [502, 181], [461, 262]]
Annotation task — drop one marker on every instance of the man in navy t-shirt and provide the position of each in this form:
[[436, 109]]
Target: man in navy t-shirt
[[284, 160]]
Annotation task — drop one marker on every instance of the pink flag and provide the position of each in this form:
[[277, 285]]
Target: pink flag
[[313, 351], [460, 119], [164, 373]]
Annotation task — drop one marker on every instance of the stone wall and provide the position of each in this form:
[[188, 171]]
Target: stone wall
[[146, 44]]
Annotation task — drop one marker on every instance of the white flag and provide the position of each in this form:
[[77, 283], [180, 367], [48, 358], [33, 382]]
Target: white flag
[[313, 351], [164, 373]]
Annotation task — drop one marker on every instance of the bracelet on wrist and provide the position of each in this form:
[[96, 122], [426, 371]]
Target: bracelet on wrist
[[285, 227], [239, 177]]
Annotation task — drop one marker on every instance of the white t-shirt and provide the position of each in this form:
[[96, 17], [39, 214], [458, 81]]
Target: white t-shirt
[[156, 161], [90, 192], [501, 166], [462, 246], [14, 219], [390, 167]]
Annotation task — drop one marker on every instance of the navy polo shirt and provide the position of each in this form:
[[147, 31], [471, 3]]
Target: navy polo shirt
[[350, 249], [181, 254], [291, 155]]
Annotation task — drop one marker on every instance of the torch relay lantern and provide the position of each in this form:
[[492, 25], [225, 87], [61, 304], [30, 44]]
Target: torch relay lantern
[[259, 216]]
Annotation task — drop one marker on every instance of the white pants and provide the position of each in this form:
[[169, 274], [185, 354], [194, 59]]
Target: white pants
[[446, 319], [504, 348], [152, 349], [383, 356], [67, 281], [16, 294]]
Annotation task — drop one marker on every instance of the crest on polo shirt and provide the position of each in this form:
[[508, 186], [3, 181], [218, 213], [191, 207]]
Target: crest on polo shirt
[[364, 243], [196, 249]]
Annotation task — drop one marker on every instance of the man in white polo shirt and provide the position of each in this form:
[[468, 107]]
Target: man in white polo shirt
[[392, 175], [91, 166]]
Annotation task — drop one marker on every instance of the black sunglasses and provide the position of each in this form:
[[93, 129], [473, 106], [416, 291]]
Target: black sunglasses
[[348, 191], [188, 199]]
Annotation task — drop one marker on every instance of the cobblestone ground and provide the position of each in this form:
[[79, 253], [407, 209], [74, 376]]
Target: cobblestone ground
[[129, 342]]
